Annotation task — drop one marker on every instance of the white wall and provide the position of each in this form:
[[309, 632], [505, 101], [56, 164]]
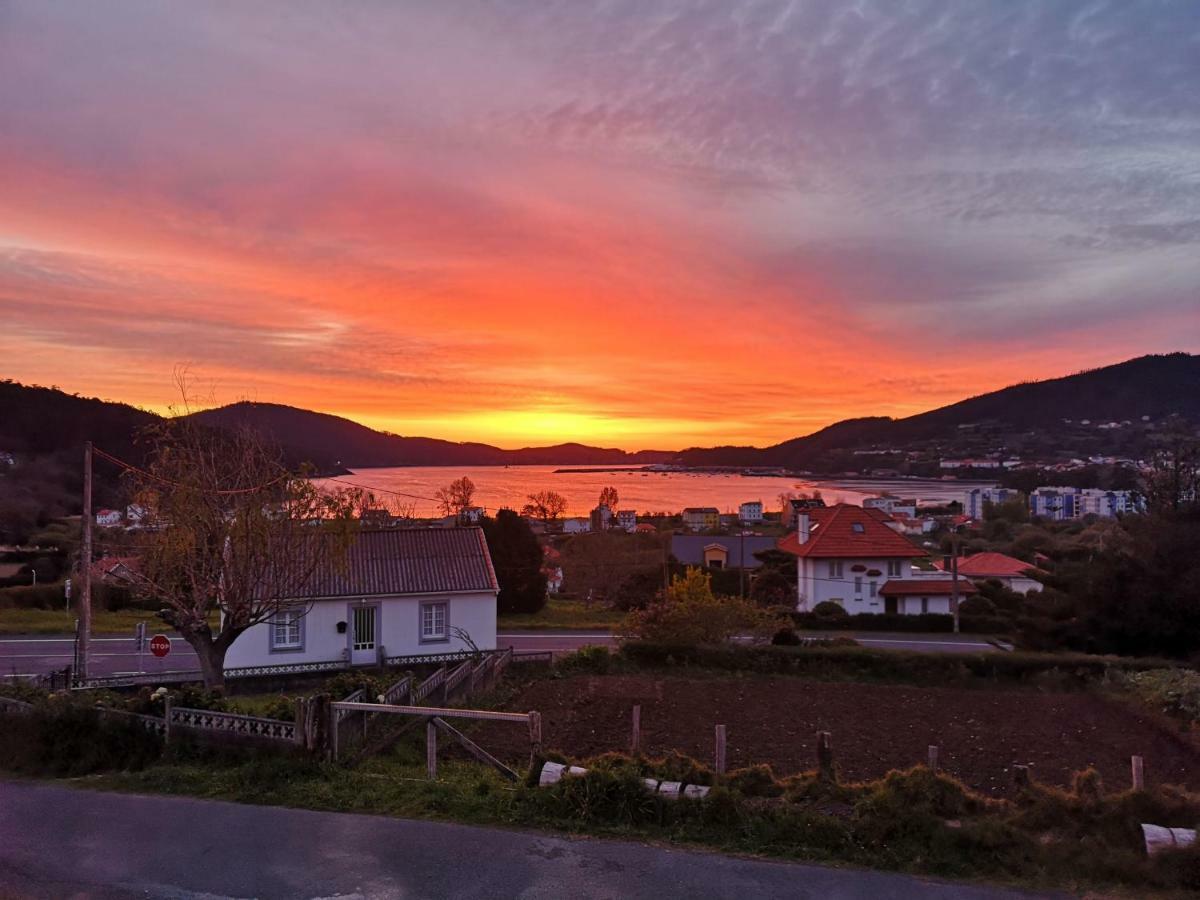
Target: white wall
[[398, 630], [815, 585]]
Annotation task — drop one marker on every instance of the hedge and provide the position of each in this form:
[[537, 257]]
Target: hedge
[[920, 622], [891, 665]]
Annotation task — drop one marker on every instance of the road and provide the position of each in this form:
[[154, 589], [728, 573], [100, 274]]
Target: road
[[57, 842], [111, 655]]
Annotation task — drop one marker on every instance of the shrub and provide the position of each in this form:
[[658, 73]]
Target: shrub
[[1070, 669], [922, 622], [1174, 691], [590, 659], [976, 605], [754, 781], [32, 596], [785, 637], [827, 609], [688, 613], [344, 684]]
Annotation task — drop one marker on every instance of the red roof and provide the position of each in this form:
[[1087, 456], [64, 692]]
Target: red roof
[[991, 565], [927, 587], [849, 532]]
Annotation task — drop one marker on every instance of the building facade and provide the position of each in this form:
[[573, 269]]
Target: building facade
[[399, 592], [750, 512]]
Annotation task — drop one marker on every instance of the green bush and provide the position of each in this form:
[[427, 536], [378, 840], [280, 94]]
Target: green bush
[[1066, 669], [921, 622], [827, 609], [34, 596], [589, 659], [1174, 691], [64, 736], [976, 606]]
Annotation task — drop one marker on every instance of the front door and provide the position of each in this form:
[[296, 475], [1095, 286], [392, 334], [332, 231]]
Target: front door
[[364, 635], [889, 605]]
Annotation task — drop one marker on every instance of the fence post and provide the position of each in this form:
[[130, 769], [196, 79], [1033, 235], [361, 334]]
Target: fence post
[[1136, 769], [635, 742], [719, 754], [933, 758], [167, 719], [825, 755], [431, 750], [535, 736], [333, 732]]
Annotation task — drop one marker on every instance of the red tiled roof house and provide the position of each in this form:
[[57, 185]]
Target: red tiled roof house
[[850, 556]]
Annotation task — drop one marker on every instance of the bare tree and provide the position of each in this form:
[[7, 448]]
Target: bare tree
[[1173, 481], [610, 498], [545, 505], [455, 498], [234, 535]]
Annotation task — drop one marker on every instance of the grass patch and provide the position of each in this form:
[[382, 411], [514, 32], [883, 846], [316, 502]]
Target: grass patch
[[915, 821], [62, 621], [564, 614]]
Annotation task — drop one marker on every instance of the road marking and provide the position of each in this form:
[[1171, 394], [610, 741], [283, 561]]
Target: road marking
[[920, 643], [554, 635]]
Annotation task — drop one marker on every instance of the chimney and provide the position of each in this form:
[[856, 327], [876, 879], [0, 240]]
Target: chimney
[[802, 527]]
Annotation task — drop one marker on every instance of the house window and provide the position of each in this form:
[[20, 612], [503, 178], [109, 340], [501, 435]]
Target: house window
[[924, 604], [835, 568], [894, 568], [287, 630], [874, 589], [858, 528], [434, 622], [858, 584]]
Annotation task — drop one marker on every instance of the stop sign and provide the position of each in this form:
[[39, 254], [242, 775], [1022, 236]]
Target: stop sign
[[160, 645]]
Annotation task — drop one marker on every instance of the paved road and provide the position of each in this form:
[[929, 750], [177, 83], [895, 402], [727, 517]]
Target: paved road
[[110, 654], [57, 842]]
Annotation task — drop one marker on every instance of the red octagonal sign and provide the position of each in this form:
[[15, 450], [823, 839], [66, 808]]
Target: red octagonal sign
[[160, 645]]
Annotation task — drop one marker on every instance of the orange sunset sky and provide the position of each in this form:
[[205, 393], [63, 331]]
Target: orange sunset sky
[[638, 225]]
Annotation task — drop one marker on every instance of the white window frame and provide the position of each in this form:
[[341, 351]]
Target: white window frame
[[433, 636], [294, 624], [835, 568], [895, 568], [858, 584], [874, 589]]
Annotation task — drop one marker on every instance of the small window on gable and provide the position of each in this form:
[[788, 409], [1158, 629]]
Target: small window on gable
[[858, 528]]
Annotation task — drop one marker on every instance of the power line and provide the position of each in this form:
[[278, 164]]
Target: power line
[[130, 467]]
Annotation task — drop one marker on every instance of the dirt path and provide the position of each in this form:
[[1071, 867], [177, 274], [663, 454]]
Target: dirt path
[[981, 733]]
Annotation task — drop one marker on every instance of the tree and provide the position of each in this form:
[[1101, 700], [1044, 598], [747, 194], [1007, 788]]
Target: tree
[[233, 532], [455, 498], [545, 505], [610, 498], [517, 559], [772, 588], [688, 613], [1173, 481], [599, 564]]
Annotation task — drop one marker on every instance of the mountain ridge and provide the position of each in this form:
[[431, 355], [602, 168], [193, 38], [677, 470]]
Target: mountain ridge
[[40, 420]]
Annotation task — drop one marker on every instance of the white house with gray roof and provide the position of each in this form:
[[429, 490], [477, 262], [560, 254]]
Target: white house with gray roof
[[399, 592]]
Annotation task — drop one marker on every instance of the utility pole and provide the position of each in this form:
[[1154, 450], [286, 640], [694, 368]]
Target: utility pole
[[954, 577], [742, 563], [85, 567]]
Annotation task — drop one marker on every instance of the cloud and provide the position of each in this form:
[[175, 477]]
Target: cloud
[[690, 217]]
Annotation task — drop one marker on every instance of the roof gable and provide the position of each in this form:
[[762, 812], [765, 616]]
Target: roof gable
[[992, 565], [849, 532], [406, 561]]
